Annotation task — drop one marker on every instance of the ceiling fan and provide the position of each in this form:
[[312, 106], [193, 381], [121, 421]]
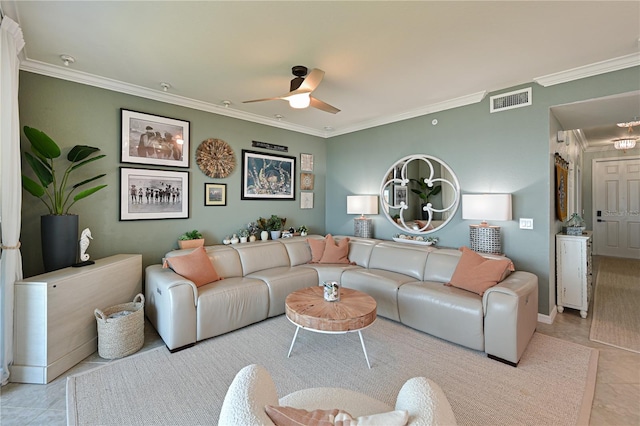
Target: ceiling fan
[[299, 95]]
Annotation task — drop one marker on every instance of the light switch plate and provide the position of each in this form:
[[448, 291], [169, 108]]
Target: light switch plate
[[526, 223]]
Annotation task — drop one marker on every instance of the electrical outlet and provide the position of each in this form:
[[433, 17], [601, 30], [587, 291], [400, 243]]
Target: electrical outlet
[[526, 223]]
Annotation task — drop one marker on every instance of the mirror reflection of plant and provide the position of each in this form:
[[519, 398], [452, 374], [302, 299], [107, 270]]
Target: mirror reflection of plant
[[58, 195], [425, 191]]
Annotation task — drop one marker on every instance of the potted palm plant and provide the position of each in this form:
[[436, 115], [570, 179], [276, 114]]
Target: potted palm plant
[[424, 191], [59, 229], [191, 239]]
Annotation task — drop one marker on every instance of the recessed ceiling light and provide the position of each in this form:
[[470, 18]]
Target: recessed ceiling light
[[279, 117], [226, 103], [67, 59], [328, 128], [165, 86]]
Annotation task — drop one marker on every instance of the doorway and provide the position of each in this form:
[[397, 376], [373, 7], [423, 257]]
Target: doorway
[[616, 207]]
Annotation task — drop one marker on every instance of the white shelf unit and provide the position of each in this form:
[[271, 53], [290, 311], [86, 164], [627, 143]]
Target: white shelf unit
[[574, 274], [54, 323]]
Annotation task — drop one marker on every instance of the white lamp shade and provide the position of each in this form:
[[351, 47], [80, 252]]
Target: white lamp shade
[[362, 204], [486, 207]]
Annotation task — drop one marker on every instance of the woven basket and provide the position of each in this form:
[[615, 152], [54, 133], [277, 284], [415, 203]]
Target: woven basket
[[122, 335]]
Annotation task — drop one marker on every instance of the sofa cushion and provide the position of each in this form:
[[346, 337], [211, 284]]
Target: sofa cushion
[[195, 266], [317, 249], [335, 252], [476, 273]]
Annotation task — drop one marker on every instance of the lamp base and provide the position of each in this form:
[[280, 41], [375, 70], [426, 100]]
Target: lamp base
[[485, 239], [363, 227]]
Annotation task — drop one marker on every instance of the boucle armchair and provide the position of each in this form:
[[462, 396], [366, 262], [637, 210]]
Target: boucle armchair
[[253, 389]]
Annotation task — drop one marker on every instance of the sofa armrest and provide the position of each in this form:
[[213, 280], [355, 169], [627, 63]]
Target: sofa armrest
[[510, 316], [170, 305], [425, 402]]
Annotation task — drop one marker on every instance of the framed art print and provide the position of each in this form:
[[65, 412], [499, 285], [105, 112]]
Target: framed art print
[[154, 140], [268, 176], [306, 200], [306, 162], [306, 181], [215, 194], [153, 194]]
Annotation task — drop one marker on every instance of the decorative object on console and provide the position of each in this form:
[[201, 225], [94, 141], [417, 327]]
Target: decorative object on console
[[84, 245], [411, 239], [215, 158], [427, 208], [484, 238], [362, 204], [243, 234], [59, 229], [574, 226], [191, 239], [234, 239], [331, 291], [153, 139], [303, 230]]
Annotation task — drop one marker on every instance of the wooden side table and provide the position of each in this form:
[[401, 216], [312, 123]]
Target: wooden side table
[[307, 309]]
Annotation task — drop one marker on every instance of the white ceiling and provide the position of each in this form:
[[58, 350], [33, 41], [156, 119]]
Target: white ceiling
[[384, 60]]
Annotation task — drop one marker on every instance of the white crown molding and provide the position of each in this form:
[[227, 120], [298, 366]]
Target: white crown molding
[[615, 64], [429, 109], [64, 73]]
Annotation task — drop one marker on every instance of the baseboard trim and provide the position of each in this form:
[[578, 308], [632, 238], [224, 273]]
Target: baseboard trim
[[548, 319]]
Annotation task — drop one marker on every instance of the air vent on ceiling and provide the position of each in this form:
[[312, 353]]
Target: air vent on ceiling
[[511, 100]]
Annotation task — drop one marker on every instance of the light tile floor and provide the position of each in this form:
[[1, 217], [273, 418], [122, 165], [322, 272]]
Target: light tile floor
[[616, 400]]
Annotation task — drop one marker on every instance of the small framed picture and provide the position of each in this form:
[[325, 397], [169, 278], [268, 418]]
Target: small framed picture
[[215, 194], [306, 200], [154, 140], [306, 162], [268, 176], [306, 181], [153, 194]]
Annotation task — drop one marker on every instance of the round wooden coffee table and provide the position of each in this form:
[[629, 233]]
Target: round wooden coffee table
[[307, 309]]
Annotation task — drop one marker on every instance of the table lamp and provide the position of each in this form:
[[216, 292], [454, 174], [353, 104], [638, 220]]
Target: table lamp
[[362, 204], [485, 238]]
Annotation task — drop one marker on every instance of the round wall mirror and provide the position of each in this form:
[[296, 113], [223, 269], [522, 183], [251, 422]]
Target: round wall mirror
[[419, 194]]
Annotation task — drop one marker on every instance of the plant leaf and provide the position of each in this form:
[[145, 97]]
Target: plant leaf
[[88, 180], [87, 192], [32, 187], [86, 162], [42, 143], [42, 170], [80, 152]]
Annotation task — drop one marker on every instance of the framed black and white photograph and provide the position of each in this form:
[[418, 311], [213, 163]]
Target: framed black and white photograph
[[153, 194], [268, 176], [399, 194], [154, 140], [215, 194]]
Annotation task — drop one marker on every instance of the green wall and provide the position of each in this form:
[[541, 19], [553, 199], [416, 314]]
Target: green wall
[[500, 152], [73, 114]]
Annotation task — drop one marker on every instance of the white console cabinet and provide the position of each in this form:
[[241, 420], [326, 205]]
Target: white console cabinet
[[54, 322], [574, 271]]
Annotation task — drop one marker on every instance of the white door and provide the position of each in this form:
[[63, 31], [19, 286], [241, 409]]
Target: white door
[[616, 207]]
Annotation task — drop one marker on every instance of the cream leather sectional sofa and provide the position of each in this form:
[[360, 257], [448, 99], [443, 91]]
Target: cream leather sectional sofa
[[406, 280]]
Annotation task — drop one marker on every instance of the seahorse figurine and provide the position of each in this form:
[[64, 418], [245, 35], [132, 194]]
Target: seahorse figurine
[[84, 244]]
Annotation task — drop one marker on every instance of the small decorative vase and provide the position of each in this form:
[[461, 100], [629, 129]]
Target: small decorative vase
[[243, 239], [331, 291], [252, 238], [303, 234], [275, 234], [234, 239], [264, 235], [226, 240]]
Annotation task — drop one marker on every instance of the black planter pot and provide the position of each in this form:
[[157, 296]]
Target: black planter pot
[[59, 235]]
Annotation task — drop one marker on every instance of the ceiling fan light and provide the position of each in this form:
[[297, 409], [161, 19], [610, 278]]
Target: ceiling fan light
[[299, 101], [624, 144]]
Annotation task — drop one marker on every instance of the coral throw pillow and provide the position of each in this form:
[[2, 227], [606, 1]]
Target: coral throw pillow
[[476, 273], [289, 416], [317, 249], [195, 266], [335, 253]]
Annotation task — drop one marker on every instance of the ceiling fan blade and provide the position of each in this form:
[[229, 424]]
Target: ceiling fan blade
[[262, 100], [317, 103], [312, 80]]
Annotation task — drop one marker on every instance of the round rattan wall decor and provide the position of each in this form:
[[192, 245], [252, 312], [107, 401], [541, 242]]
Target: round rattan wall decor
[[215, 158]]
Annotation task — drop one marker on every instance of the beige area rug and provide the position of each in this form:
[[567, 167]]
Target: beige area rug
[[616, 304], [553, 385]]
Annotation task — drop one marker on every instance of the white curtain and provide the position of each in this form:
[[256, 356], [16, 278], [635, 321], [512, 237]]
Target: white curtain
[[11, 43]]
